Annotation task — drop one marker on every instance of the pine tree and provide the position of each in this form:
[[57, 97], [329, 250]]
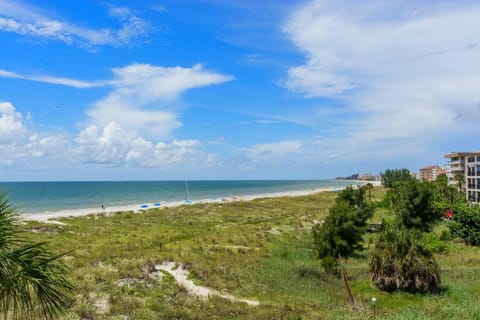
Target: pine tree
[[412, 202], [342, 231]]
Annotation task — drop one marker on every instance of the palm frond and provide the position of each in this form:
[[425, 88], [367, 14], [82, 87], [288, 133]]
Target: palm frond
[[33, 281]]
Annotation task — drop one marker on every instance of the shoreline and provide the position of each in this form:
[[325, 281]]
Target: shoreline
[[47, 215]]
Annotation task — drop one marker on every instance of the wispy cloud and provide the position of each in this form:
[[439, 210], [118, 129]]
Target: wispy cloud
[[132, 26], [159, 8], [402, 68], [26, 20], [275, 149], [53, 80], [260, 122]]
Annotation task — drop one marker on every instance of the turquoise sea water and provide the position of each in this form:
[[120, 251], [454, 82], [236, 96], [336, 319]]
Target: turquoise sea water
[[33, 197]]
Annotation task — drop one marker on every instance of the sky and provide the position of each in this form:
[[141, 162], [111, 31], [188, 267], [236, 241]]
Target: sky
[[213, 89]]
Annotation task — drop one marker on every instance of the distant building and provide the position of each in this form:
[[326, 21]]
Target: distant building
[[443, 170], [354, 176], [364, 177], [465, 165], [369, 177], [430, 173]]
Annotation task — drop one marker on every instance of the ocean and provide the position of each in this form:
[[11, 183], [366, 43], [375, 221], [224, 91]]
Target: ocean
[[37, 197]]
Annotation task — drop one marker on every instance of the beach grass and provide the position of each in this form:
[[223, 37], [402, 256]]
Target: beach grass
[[259, 250]]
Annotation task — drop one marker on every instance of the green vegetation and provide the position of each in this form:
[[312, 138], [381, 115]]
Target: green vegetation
[[33, 281], [400, 261], [369, 187], [460, 178], [391, 176], [446, 196], [260, 250], [466, 223], [343, 229], [412, 202]]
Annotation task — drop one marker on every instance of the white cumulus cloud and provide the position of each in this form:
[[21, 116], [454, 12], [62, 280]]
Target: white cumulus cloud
[[115, 145], [142, 93], [93, 147], [12, 125], [19, 142]]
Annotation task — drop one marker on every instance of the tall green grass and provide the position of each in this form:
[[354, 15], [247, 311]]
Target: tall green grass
[[260, 249]]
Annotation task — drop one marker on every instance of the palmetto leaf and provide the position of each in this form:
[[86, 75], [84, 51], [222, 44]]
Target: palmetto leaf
[[33, 281]]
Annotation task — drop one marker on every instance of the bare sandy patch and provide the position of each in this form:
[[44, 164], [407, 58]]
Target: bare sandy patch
[[180, 274]]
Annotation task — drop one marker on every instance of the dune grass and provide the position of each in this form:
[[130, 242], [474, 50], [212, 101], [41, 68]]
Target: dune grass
[[260, 250]]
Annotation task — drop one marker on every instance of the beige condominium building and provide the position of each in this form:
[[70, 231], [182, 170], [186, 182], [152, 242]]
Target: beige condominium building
[[431, 173], [468, 165]]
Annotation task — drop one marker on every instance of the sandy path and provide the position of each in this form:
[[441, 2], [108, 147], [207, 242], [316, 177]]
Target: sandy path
[[180, 274]]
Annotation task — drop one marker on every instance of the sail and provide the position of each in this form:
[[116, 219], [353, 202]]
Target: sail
[[187, 194]]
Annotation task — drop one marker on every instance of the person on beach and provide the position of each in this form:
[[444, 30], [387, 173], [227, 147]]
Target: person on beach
[[103, 206]]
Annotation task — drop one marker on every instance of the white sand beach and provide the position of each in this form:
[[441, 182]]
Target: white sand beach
[[47, 215]]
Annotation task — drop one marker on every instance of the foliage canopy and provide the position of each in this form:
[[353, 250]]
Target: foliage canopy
[[412, 202], [446, 196], [391, 176]]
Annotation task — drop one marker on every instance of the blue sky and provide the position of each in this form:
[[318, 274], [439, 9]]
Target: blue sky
[[210, 89]]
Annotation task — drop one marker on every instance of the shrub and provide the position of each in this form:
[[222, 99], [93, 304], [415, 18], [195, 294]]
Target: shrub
[[434, 243], [400, 261], [466, 223]]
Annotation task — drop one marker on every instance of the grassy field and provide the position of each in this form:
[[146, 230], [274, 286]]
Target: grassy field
[[259, 250]]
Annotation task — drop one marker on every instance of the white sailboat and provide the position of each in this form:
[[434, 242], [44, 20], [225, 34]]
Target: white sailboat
[[187, 194]]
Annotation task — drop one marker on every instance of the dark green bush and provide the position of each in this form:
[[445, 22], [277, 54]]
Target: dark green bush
[[412, 202]]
